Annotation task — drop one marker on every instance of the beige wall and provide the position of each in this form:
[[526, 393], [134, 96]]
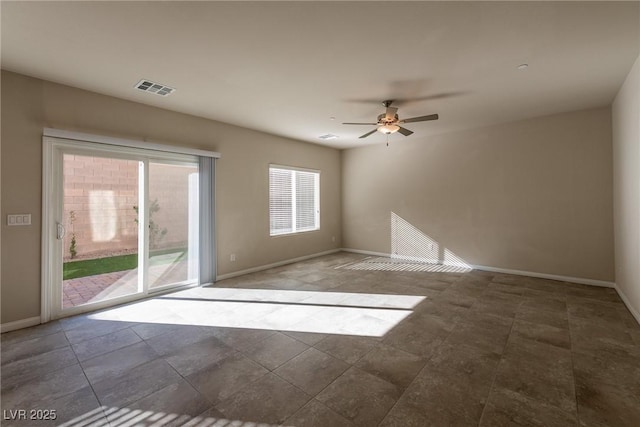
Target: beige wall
[[626, 179], [30, 104], [534, 195]]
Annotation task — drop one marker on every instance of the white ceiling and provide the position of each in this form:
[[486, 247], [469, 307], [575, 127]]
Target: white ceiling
[[287, 67]]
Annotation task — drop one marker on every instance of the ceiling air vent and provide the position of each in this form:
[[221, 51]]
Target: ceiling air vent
[[328, 136], [157, 88]]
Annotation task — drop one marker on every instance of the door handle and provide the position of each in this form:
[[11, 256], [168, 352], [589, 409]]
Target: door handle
[[60, 231]]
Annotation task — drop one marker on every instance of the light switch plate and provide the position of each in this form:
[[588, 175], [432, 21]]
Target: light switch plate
[[19, 219]]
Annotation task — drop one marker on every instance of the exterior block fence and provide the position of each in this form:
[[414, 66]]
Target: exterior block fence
[[99, 199]]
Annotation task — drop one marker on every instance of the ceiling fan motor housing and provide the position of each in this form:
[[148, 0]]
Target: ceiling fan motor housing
[[382, 120]]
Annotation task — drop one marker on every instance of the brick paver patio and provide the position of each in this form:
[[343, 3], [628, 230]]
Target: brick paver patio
[[95, 288], [111, 285]]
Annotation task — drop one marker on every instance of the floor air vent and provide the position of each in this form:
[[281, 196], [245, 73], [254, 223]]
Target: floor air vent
[[157, 88]]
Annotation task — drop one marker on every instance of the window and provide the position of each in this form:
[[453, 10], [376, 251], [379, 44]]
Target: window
[[294, 200]]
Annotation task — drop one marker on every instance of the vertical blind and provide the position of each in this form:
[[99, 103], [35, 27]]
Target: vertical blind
[[207, 226], [294, 200]]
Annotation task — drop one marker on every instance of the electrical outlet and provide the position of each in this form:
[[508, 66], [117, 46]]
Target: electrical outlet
[[333, 239], [232, 257]]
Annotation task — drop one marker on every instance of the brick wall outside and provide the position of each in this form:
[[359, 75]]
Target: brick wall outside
[[169, 185], [101, 193]]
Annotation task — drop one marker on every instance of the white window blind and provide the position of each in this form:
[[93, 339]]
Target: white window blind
[[294, 200]]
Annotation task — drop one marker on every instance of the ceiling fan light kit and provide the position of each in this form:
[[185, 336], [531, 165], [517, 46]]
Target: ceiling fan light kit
[[389, 122], [388, 128]]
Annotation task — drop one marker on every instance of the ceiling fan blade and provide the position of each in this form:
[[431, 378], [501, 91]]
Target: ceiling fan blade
[[391, 113], [372, 124], [420, 119], [401, 101], [368, 133], [405, 131]]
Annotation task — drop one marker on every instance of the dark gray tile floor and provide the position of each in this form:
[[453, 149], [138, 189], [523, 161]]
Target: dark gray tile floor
[[335, 342]]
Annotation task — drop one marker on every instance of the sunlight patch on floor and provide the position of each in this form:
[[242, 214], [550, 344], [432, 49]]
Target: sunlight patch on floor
[[398, 264], [339, 313], [128, 417]]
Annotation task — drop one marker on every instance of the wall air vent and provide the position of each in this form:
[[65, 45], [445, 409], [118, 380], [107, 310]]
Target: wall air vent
[[328, 136], [157, 88]]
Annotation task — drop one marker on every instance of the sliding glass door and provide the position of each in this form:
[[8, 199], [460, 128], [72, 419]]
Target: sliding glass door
[[173, 223], [99, 226], [126, 224]]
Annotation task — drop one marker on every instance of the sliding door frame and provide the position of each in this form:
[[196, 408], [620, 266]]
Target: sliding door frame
[[55, 144]]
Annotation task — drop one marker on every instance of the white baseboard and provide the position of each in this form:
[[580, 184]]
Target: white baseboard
[[626, 302], [275, 264], [359, 251], [19, 324], [578, 280]]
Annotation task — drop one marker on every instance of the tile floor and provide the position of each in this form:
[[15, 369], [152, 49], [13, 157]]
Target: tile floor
[[328, 342]]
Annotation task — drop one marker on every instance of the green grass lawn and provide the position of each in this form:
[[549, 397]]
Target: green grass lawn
[[91, 267]]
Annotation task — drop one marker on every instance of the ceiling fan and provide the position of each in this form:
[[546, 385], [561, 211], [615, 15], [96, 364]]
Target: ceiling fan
[[389, 122]]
